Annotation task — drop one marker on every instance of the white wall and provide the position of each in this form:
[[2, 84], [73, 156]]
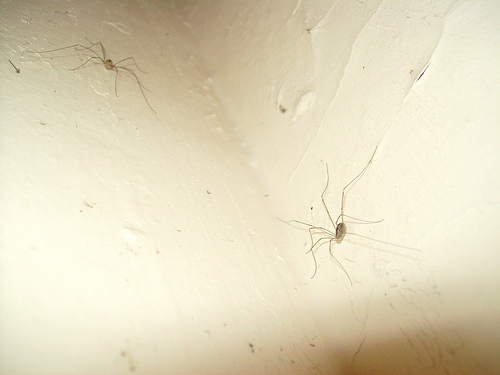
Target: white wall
[[131, 240]]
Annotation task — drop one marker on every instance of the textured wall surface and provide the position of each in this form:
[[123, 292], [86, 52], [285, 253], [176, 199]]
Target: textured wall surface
[[139, 230]]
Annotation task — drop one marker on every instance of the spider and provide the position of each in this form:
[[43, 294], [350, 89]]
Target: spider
[[340, 228], [108, 64]]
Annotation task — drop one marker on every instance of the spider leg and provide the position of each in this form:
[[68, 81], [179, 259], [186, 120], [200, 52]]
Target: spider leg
[[315, 263], [341, 266], [320, 229], [131, 58], [80, 47], [103, 51], [323, 197], [85, 63], [316, 245], [361, 221], [354, 180], [55, 50], [133, 73], [139, 83]]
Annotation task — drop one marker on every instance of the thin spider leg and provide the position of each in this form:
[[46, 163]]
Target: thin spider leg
[[57, 49], [132, 72], [322, 231], [353, 181], [314, 231], [116, 80], [337, 221], [92, 45], [297, 221], [315, 244], [75, 46], [336, 260], [80, 47], [315, 265], [85, 63], [138, 82], [327, 235], [311, 226], [131, 58], [323, 196], [103, 51], [361, 221]]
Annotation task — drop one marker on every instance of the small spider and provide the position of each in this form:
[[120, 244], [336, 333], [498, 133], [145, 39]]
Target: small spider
[[340, 228], [340, 232], [108, 64]]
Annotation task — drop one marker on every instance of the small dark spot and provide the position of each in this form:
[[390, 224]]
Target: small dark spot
[[292, 361], [282, 109], [363, 66], [251, 347], [208, 192], [312, 344], [42, 123]]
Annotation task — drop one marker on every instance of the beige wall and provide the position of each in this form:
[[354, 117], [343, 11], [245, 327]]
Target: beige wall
[[148, 240]]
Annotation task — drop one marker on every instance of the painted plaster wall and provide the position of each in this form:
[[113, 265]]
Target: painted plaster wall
[[148, 242], [131, 241], [332, 80]]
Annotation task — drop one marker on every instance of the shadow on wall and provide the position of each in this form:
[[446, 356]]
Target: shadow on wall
[[417, 350]]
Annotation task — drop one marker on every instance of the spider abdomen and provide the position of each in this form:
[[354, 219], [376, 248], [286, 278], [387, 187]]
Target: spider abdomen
[[340, 232]]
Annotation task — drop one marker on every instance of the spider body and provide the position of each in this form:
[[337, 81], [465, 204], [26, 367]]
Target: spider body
[[340, 232]]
